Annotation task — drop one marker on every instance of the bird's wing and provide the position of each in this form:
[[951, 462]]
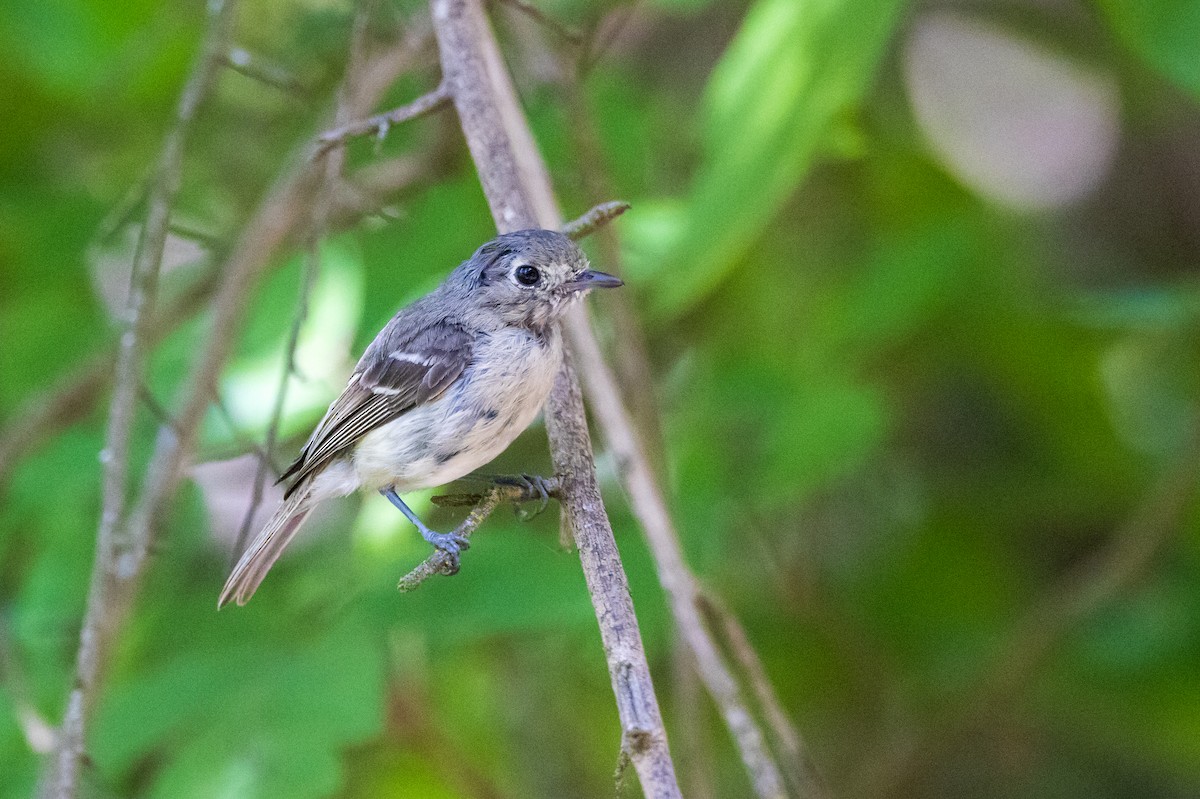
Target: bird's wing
[[406, 365]]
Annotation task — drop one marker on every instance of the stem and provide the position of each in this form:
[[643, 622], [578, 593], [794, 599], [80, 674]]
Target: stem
[[118, 569], [518, 191], [64, 779]]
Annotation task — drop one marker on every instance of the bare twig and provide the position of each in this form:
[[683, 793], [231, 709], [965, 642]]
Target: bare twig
[[597, 217], [508, 493], [334, 162], [380, 124], [681, 586], [545, 20], [285, 208], [64, 779], [245, 63], [439, 562], [75, 394], [635, 369], [119, 576], [518, 191]]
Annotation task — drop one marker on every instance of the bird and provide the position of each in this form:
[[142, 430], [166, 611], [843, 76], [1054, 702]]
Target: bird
[[443, 389]]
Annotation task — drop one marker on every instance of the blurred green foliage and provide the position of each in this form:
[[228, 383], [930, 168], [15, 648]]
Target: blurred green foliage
[[898, 417]]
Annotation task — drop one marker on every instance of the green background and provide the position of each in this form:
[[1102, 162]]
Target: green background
[[903, 419]]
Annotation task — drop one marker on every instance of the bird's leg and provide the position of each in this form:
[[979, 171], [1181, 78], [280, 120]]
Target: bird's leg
[[531, 483], [450, 543]]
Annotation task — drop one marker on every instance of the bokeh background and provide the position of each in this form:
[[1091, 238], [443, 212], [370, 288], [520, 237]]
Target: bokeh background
[[916, 288]]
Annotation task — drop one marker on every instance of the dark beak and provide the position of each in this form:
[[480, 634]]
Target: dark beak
[[591, 279]]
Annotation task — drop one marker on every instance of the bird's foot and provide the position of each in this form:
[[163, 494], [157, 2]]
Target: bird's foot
[[452, 544], [536, 487]]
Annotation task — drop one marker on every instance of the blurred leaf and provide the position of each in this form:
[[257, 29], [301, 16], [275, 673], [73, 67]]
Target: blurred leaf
[[1163, 33], [304, 704], [791, 70], [19, 770]]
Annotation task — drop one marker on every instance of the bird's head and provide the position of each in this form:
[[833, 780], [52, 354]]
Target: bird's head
[[528, 278]]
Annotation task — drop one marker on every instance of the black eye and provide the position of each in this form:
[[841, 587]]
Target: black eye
[[528, 275]]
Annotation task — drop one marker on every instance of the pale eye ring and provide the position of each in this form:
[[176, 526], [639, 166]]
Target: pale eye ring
[[527, 275]]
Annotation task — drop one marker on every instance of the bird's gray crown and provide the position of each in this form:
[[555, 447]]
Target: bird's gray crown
[[527, 278]]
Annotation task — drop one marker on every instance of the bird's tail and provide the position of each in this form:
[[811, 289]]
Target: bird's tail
[[266, 548]]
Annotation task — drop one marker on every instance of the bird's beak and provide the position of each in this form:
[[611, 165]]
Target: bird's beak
[[592, 279]]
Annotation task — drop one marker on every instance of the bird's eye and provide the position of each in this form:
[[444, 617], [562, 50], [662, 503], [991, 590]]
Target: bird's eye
[[528, 275]]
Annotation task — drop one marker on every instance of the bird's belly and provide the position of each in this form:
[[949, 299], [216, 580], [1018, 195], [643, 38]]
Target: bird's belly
[[464, 429]]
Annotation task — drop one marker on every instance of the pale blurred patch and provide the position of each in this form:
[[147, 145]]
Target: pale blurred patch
[[323, 358], [111, 264], [1018, 124], [226, 488], [380, 527]]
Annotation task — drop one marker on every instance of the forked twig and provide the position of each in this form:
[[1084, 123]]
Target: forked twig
[[103, 593], [119, 570], [380, 124], [596, 217], [439, 561], [518, 191]]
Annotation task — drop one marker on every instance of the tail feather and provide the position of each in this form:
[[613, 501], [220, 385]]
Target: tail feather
[[265, 549]]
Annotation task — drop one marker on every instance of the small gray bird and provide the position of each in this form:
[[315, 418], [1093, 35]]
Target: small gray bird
[[444, 388]]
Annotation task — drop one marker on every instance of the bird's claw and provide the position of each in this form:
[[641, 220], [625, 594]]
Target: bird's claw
[[531, 484], [536, 487], [451, 544]]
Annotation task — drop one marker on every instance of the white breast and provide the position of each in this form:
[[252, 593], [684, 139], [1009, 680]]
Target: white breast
[[498, 396]]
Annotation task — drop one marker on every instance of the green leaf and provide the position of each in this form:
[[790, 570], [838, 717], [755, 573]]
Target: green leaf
[[248, 721], [792, 69], [1163, 33]]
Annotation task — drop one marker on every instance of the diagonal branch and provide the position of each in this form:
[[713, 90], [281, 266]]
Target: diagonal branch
[[594, 219], [380, 124], [693, 614], [439, 561], [117, 575], [64, 779], [518, 191], [683, 591], [333, 162]]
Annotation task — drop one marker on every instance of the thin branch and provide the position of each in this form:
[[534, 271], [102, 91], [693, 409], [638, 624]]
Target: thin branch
[[681, 586], [439, 562], [518, 190], [334, 162], [545, 20], [245, 63], [597, 217], [640, 479], [798, 768], [509, 493], [118, 571], [380, 124], [64, 780]]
